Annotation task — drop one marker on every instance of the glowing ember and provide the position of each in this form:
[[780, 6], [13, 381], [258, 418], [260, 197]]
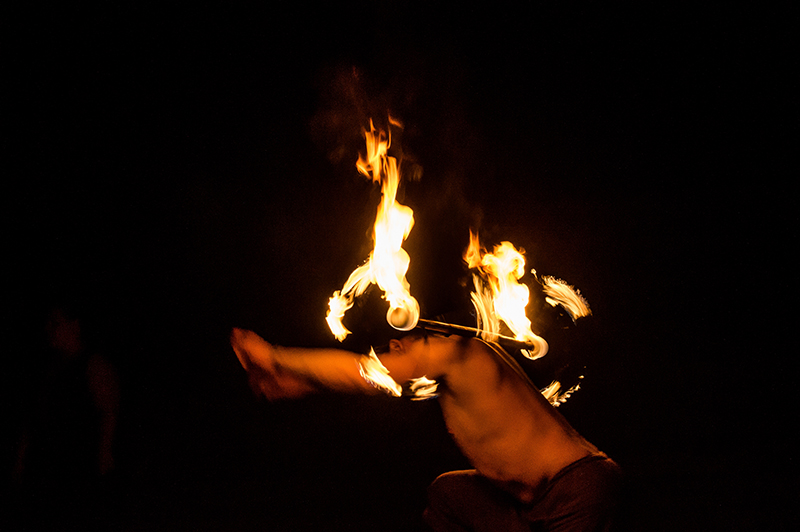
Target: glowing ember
[[499, 296], [388, 262], [377, 375]]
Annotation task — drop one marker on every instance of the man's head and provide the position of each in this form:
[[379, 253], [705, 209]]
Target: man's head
[[403, 341]]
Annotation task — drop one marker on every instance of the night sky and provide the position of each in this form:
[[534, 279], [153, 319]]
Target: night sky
[[180, 171]]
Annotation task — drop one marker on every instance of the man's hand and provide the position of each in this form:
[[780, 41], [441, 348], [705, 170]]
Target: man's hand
[[266, 375]]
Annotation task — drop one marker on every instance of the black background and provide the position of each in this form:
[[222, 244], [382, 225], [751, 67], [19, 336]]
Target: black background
[[184, 170]]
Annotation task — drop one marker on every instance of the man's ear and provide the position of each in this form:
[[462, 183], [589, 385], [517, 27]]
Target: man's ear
[[395, 346]]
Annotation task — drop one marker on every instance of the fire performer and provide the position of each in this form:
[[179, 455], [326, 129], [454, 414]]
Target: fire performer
[[533, 471]]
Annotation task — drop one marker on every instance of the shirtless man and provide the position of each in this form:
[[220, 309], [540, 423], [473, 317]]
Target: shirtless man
[[533, 471]]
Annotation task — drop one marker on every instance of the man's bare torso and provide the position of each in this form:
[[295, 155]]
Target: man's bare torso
[[507, 429]]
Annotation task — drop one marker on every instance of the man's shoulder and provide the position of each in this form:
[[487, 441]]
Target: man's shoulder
[[473, 367]]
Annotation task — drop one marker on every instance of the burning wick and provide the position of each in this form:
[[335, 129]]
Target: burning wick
[[400, 319]]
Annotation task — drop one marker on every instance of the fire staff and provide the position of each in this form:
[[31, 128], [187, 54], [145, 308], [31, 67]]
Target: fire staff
[[533, 471]]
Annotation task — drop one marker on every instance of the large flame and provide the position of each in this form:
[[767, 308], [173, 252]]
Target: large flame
[[388, 262], [499, 296]]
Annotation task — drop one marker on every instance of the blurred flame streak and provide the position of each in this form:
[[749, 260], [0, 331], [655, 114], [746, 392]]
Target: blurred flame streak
[[499, 295], [423, 388], [487, 320], [377, 375], [560, 293], [388, 262], [554, 395]]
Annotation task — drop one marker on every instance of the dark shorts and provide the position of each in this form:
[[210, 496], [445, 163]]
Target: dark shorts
[[583, 496]]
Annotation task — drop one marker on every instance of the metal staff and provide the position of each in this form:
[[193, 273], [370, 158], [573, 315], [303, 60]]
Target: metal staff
[[452, 328], [502, 354]]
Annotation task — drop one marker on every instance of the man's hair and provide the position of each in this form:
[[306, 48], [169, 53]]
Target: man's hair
[[416, 332]]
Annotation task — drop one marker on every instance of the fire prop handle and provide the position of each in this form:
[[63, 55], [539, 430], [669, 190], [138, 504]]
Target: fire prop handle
[[452, 328]]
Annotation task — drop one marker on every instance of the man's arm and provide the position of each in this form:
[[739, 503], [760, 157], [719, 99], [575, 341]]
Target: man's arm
[[292, 372]]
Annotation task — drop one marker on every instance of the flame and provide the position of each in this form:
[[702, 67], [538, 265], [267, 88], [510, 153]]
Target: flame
[[487, 321], [499, 296], [388, 262], [377, 375], [423, 388], [554, 394], [560, 293]]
